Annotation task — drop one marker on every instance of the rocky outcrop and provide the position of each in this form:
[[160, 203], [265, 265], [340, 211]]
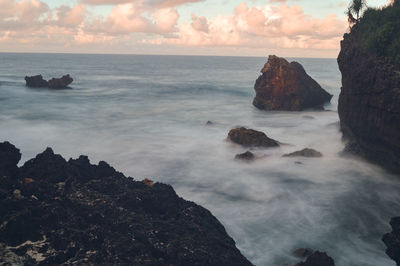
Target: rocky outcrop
[[369, 103], [251, 138], [247, 156], [311, 153], [286, 86], [54, 83], [318, 259], [56, 212], [392, 240]]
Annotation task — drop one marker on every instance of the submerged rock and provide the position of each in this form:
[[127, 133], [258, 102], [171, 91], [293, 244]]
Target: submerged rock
[[247, 156], [304, 153], [286, 86], [303, 252], [55, 83], [392, 240], [251, 138], [318, 259], [79, 213], [36, 82]]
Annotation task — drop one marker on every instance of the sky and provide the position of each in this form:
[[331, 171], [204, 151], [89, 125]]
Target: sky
[[291, 28]]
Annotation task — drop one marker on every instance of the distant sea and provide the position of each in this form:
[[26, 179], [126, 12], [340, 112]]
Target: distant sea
[[147, 115]]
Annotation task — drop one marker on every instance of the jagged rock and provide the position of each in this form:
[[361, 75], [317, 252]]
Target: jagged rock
[[392, 240], [369, 103], [251, 138], [79, 213], [247, 156], [55, 83], [304, 153], [60, 83], [286, 86], [36, 82], [318, 259]]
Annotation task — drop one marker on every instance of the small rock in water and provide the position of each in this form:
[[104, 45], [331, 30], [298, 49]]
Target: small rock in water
[[304, 153], [209, 123], [317, 259], [55, 83], [251, 138], [303, 252], [247, 156]]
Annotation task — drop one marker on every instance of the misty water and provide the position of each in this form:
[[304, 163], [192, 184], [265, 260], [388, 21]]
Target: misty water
[[146, 116]]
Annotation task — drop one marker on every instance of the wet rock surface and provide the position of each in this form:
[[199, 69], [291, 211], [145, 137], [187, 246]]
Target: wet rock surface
[[392, 240], [310, 153], [369, 103], [247, 156], [251, 138], [287, 86], [54, 211], [318, 259], [54, 83]]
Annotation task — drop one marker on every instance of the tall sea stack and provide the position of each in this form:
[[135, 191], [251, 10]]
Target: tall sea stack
[[369, 102]]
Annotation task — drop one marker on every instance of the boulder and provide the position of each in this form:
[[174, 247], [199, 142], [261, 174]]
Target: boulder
[[251, 138], [60, 83], [9, 158], [55, 83], [304, 153], [318, 259], [247, 156], [74, 212], [287, 86], [392, 241], [36, 82]]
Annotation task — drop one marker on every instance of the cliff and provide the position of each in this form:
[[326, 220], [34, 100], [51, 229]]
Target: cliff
[[54, 211], [369, 102]]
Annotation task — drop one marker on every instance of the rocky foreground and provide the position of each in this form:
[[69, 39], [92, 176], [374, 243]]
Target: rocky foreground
[[54, 211]]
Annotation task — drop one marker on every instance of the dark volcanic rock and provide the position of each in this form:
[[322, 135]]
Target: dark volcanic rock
[[304, 153], [36, 82], [60, 83], [369, 103], [54, 211], [247, 156], [286, 86], [54, 83], [251, 138], [392, 240], [318, 259]]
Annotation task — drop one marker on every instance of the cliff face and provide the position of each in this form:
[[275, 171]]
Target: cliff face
[[54, 211], [287, 86], [369, 103]]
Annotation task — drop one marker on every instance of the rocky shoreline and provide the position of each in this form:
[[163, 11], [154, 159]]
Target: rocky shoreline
[[55, 211]]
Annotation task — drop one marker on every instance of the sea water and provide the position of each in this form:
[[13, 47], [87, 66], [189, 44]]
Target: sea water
[[147, 115]]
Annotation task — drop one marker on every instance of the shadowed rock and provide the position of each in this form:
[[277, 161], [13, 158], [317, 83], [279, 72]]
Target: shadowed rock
[[71, 212], [247, 156], [286, 86], [392, 240], [318, 259], [251, 138], [54, 83], [304, 153], [36, 82]]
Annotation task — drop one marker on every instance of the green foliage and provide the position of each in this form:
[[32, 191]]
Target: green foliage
[[380, 31]]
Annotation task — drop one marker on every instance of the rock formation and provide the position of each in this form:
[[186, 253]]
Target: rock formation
[[369, 103], [311, 153], [54, 211], [54, 83], [392, 241], [251, 138], [247, 156], [318, 259], [286, 86]]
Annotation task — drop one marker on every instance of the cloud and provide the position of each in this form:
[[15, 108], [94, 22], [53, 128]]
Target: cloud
[[150, 3]]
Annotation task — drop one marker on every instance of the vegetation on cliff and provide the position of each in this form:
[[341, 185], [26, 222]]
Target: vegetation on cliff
[[380, 31]]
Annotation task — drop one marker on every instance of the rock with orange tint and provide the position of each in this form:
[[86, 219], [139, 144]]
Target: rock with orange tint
[[148, 182], [287, 86]]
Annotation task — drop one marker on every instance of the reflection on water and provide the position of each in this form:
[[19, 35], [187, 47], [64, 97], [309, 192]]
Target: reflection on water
[[146, 115]]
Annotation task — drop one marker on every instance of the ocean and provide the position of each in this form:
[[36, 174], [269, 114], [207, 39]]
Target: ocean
[[147, 116]]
